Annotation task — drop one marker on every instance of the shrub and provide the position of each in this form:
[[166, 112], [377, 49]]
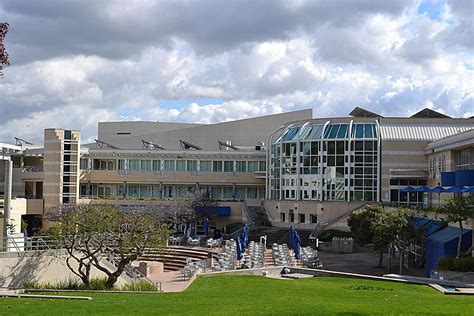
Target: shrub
[[328, 234], [463, 264], [94, 284], [139, 286]]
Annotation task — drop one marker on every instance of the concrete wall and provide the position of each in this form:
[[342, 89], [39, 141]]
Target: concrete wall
[[18, 267]]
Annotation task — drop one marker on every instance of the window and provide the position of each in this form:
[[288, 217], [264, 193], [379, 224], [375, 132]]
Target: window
[[313, 218], [302, 218], [228, 166], [156, 165], [169, 165], [180, 165], [252, 166], [432, 167], [217, 166], [282, 217], [205, 166], [84, 164], [133, 191], [133, 164], [227, 193], [146, 165], [442, 163], [241, 166], [121, 164], [191, 165], [252, 193]]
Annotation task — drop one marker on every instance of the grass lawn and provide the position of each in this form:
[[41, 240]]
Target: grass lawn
[[253, 295]]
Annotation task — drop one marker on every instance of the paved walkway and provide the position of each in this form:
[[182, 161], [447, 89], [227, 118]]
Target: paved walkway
[[363, 263]]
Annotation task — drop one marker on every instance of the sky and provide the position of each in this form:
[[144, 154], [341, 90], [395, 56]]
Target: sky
[[77, 62]]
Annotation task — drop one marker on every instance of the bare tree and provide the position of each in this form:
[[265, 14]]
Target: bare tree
[[93, 233]]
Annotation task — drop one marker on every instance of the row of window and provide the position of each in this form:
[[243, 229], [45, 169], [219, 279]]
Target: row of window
[[432, 165], [159, 165], [331, 131], [171, 191], [301, 218]]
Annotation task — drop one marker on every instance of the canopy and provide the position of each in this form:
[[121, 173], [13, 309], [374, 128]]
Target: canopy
[[468, 189], [408, 189], [438, 190]]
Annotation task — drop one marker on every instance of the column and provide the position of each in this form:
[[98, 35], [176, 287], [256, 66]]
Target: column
[[8, 196]]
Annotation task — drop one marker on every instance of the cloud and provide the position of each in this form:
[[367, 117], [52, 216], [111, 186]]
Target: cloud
[[79, 62]]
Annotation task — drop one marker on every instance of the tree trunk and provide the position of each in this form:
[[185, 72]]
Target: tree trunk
[[390, 258], [111, 281], [460, 239], [380, 264], [400, 266]]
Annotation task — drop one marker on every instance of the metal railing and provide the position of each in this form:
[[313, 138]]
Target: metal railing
[[20, 243]]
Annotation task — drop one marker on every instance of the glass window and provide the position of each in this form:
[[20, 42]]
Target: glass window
[[263, 165], [133, 190], [156, 165], [368, 133], [228, 166], [84, 164], [302, 218], [191, 165], [169, 165], [241, 166], [134, 164], [180, 165], [291, 133], [252, 193], [217, 166], [253, 166], [121, 164], [227, 193], [146, 165], [342, 133], [240, 193], [205, 166]]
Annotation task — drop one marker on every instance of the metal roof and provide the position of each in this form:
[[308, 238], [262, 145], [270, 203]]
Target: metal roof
[[421, 131]]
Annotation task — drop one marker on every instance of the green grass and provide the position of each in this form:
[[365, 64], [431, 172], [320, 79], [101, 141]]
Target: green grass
[[252, 295]]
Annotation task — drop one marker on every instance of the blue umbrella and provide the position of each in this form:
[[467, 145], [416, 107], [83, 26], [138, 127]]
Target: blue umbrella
[[297, 246], [422, 189], [246, 235], [170, 191], [438, 190], [408, 189], [456, 189], [239, 248], [243, 237], [206, 226], [292, 237], [468, 189]]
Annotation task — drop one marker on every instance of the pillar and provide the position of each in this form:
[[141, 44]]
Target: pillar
[[7, 204]]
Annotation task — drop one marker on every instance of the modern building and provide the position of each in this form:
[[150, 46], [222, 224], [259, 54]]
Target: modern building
[[300, 170]]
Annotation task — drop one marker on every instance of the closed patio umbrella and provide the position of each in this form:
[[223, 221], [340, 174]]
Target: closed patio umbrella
[[206, 226], [297, 246], [292, 237], [240, 251]]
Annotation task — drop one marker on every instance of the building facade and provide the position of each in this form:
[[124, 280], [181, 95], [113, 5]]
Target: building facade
[[302, 170]]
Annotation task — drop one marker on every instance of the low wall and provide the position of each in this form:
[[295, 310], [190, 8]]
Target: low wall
[[42, 267]]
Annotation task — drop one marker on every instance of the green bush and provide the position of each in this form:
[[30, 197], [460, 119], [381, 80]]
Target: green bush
[[94, 284], [139, 286], [465, 263], [328, 234]]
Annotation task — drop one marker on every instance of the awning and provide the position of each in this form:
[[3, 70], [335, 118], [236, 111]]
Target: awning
[[220, 211]]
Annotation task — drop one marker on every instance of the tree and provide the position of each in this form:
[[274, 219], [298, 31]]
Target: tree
[[92, 234], [203, 205], [4, 60], [360, 223], [392, 228], [457, 210]]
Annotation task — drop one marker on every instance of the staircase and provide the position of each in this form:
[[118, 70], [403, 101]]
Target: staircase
[[318, 229], [257, 215], [278, 235], [175, 258]]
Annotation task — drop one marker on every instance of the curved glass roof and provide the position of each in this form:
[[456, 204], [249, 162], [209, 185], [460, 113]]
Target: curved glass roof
[[311, 132], [336, 131], [291, 134], [364, 131]]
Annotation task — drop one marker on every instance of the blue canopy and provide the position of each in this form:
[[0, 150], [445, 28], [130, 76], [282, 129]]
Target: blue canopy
[[456, 189], [423, 189], [438, 190], [297, 246], [292, 237], [408, 189], [468, 189]]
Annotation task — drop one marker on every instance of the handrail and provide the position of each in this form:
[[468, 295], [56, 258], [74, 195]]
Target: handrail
[[321, 225]]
